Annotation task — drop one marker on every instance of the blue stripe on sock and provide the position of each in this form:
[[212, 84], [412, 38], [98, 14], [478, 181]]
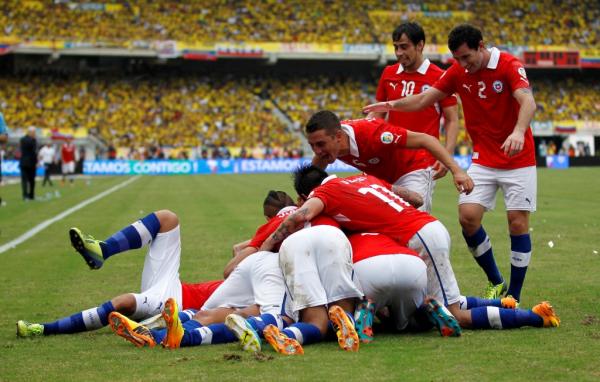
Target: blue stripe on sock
[[310, 333], [158, 334], [104, 310], [475, 239], [520, 243], [133, 237], [152, 224], [479, 318]]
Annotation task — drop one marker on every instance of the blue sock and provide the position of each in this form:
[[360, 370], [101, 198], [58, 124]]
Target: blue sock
[[304, 333], [158, 335], [470, 302], [186, 315], [195, 334], [133, 236], [520, 255], [259, 323], [481, 248], [498, 318], [95, 318]]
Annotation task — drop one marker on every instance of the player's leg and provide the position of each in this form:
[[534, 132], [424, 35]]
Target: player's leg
[[490, 317], [89, 319], [421, 182], [470, 214], [520, 191]]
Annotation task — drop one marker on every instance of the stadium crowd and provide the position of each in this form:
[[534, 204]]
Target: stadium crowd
[[224, 117], [539, 22]]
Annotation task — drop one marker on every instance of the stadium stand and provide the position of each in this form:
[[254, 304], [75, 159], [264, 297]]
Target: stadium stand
[[506, 22]]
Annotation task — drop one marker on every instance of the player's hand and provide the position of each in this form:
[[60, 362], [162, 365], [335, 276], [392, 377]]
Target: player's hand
[[463, 182], [440, 170], [379, 107], [514, 143]]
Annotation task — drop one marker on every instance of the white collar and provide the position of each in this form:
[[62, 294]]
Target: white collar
[[353, 145], [494, 58], [421, 70], [330, 177]]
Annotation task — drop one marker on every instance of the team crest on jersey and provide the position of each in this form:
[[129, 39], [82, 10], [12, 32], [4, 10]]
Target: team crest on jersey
[[498, 86], [387, 138], [424, 88], [374, 160]]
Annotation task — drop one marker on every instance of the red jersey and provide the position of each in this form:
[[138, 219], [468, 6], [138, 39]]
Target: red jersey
[[67, 152], [490, 109], [379, 149], [195, 295], [367, 245], [263, 232], [363, 203], [395, 83]]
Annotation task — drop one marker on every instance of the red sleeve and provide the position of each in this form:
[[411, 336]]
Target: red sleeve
[[446, 82], [329, 199], [381, 94], [449, 101], [264, 231], [516, 76]]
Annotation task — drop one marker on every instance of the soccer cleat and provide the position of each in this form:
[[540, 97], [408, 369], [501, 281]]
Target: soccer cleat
[[249, 339], [494, 291], [154, 322], [174, 328], [88, 247], [363, 320], [282, 343], [27, 329], [546, 311], [443, 320], [137, 334], [345, 331], [509, 302]]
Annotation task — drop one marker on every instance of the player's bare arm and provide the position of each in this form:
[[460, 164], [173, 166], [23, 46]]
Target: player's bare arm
[[380, 115], [516, 140], [462, 181], [237, 248], [409, 196], [241, 255], [451, 128], [311, 208], [410, 103]]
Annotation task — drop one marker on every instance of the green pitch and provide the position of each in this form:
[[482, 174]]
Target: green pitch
[[44, 279]]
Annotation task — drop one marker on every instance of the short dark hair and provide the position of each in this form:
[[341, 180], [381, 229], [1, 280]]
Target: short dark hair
[[275, 201], [464, 33], [412, 30], [323, 120], [308, 177]]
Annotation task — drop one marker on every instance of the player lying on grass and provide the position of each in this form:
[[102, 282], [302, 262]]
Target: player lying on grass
[[160, 276], [364, 203]]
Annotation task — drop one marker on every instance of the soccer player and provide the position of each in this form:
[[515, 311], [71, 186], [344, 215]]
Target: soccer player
[[67, 154], [364, 203], [374, 146], [160, 277], [413, 74], [498, 107]]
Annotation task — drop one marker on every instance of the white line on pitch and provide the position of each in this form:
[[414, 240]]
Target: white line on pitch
[[46, 223]]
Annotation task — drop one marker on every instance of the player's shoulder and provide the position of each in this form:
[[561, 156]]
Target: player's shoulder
[[390, 71]]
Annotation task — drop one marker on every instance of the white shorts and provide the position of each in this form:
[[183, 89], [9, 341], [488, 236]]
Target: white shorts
[[317, 267], [519, 187], [255, 280], [68, 168], [421, 182], [432, 243], [160, 277], [398, 281]]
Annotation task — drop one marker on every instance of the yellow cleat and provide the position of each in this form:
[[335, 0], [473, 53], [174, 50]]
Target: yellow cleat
[[133, 332], [282, 343], [346, 333], [545, 310], [174, 328]]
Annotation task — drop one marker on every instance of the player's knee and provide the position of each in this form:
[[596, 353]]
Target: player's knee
[[124, 304], [168, 220], [469, 223]]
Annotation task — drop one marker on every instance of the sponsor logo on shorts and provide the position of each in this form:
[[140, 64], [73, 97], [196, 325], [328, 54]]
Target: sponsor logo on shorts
[[387, 138], [498, 86]]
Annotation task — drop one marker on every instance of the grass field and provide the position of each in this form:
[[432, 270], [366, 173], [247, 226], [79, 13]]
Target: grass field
[[43, 279]]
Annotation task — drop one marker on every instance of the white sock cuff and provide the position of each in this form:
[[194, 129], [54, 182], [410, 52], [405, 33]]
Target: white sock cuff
[[482, 248], [520, 259], [141, 229], [91, 319], [493, 314], [297, 334]]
